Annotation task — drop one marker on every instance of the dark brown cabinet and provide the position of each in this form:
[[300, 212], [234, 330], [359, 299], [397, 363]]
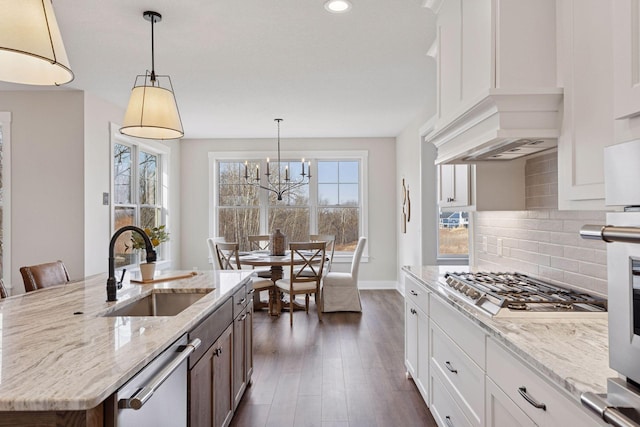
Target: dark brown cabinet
[[242, 345], [220, 369]]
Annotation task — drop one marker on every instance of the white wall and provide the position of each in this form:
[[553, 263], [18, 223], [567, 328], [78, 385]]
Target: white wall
[[97, 175], [380, 271], [47, 156]]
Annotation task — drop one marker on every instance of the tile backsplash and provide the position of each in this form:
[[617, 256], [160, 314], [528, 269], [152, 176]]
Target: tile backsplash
[[542, 241]]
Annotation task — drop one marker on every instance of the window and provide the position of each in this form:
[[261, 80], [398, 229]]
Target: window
[[453, 236], [137, 194], [331, 204]]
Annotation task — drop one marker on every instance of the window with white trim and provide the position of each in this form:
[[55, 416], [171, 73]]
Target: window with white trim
[[138, 193], [332, 203]]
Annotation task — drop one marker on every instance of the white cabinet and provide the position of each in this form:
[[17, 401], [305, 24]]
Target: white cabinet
[[536, 398], [502, 411], [485, 44], [457, 367], [626, 57], [454, 186], [586, 69], [417, 335]]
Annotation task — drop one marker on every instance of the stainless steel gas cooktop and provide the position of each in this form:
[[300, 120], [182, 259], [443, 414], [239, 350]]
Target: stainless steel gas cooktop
[[515, 294]]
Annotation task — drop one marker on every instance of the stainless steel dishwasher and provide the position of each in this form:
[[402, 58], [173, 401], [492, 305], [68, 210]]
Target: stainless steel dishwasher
[[157, 395]]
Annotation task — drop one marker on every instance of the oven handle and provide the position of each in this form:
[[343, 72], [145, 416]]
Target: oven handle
[[144, 394], [610, 233], [609, 414]]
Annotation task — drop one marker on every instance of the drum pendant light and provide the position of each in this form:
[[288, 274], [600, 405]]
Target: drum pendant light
[[152, 112], [31, 48]]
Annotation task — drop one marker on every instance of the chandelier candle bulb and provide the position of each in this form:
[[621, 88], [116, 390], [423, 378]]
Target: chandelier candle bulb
[[257, 173], [302, 167], [246, 170], [286, 173], [268, 167]]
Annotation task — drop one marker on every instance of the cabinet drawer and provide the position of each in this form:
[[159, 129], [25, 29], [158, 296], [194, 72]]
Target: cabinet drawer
[[465, 379], [240, 301], [417, 293], [443, 407], [462, 331], [210, 329], [517, 380]]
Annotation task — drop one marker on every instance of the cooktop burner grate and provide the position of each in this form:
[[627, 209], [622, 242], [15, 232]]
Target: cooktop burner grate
[[518, 291]]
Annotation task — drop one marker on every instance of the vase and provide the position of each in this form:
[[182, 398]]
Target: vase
[[147, 270], [277, 242]]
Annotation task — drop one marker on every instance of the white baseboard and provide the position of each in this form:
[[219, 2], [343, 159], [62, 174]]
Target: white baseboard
[[378, 284]]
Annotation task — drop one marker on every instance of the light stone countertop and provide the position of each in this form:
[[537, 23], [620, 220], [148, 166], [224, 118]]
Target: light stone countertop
[[53, 359], [571, 352]]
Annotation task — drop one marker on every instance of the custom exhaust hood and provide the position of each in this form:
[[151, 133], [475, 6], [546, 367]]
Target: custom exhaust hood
[[503, 125]]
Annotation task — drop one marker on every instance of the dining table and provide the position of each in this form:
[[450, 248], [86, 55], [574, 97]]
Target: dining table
[[276, 263]]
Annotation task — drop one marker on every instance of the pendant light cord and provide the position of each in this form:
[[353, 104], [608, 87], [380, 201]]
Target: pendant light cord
[[153, 66]]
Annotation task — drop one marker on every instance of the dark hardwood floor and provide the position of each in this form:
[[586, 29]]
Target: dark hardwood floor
[[347, 370]]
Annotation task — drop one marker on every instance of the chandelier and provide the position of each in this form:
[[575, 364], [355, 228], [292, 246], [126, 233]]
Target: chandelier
[[279, 186]]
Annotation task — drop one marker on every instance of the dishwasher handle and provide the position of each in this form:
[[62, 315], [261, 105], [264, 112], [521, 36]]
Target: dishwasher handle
[[144, 394]]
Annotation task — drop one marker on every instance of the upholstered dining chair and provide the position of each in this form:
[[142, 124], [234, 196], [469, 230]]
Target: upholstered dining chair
[[3, 291], [213, 256], [44, 275], [305, 280], [228, 259], [340, 290], [260, 242]]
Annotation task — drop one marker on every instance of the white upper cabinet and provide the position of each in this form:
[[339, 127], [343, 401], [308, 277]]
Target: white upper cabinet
[[626, 56], [586, 69], [454, 186], [497, 87]]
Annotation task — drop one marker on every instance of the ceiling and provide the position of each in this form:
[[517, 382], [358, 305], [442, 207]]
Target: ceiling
[[237, 65]]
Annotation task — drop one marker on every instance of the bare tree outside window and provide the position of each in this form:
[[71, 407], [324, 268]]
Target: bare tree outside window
[[134, 204], [337, 208], [339, 202]]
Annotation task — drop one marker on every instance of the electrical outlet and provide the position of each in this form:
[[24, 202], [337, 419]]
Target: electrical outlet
[[484, 244], [499, 247]]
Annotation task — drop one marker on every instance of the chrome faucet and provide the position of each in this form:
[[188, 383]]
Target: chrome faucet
[[112, 284]]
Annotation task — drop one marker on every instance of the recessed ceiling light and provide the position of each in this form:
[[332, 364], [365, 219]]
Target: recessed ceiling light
[[337, 6]]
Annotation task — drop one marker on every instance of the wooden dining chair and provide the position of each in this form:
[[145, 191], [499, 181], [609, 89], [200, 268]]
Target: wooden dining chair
[[330, 248], [228, 258], [260, 242], [305, 280], [213, 255], [44, 275], [3, 291]]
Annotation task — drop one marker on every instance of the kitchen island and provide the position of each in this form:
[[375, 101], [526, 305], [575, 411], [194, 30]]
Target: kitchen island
[[60, 352], [557, 358]]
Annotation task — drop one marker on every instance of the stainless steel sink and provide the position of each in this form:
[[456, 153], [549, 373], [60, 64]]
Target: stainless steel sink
[[160, 303]]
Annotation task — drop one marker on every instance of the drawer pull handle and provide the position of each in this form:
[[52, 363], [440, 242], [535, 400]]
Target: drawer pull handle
[[413, 311], [242, 301], [244, 316], [414, 293], [447, 421], [251, 291], [523, 392], [450, 368], [218, 351]]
